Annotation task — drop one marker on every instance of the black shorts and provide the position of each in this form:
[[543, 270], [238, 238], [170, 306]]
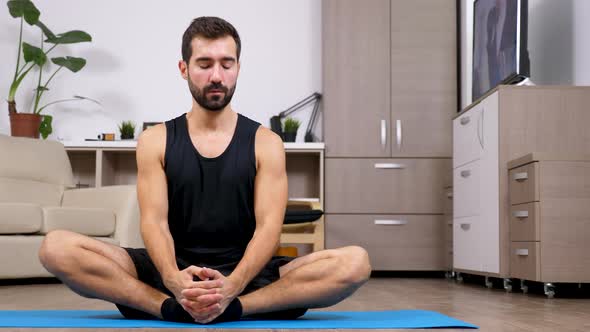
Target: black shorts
[[149, 274]]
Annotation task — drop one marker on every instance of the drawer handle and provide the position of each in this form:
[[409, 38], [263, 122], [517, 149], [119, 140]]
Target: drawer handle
[[389, 166], [522, 252], [521, 176], [465, 227], [520, 214], [465, 173], [465, 120], [391, 222], [450, 195]]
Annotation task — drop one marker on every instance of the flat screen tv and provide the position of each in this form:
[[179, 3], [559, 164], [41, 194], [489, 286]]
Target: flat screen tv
[[500, 53]]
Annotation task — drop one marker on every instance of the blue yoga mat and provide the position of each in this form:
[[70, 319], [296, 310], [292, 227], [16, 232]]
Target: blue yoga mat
[[406, 319]]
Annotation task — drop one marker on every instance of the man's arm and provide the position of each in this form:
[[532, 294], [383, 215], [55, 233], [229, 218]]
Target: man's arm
[[152, 193], [270, 202]]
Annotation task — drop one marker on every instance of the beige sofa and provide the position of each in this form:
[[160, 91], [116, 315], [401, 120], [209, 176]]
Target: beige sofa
[[37, 196]]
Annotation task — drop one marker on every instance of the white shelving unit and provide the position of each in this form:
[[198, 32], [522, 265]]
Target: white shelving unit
[[107, 163]]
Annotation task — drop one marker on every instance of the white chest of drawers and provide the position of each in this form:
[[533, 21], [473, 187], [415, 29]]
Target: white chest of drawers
[[475, 180]]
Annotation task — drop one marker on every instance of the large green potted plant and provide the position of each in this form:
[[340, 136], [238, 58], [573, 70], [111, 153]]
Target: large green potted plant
[[30, 125]]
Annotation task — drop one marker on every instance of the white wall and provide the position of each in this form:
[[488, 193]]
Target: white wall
[[132, 61], [558, 43]]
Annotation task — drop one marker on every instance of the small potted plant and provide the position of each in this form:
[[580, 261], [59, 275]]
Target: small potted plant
[[290, 129], [127, 130]]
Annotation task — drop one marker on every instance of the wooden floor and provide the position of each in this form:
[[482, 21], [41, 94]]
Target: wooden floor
[[491, 309]]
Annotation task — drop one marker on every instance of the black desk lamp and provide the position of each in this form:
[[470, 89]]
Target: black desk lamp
[[275, 121]]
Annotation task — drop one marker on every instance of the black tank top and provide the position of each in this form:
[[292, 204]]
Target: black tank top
[[210, 200]]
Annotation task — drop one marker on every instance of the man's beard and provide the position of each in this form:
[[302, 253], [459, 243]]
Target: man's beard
[[214, 102]]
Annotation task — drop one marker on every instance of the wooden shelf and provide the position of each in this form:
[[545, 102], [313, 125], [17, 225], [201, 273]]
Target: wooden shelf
[[107, 163], [132, 144]]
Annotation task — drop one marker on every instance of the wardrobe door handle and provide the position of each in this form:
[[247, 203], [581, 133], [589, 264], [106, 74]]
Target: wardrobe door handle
[[389, 166], [391, 222], [480, 131], [466, 173], [521, 176], [398, 127], [383, 133], [520, 214]]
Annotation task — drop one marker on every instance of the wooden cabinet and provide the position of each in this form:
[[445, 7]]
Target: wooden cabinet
[[394, 242], [356, 78], [550, 217], [385, 185], [389, 97], [506, 124], [423, 77], [389, 77]]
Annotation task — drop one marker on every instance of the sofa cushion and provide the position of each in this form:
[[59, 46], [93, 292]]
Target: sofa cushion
[[87, 221], [35, 160], [27, 191], [20, 218]]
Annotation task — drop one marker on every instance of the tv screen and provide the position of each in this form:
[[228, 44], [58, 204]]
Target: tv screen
[[499, 44]]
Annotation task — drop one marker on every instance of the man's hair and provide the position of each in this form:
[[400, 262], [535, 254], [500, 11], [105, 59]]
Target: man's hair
[[208, 27]]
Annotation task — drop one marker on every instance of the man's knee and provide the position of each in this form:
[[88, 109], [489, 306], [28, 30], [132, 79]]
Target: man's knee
[[57, 249], [356, 265]]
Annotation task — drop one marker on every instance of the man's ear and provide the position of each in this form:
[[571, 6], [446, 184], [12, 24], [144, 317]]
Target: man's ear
[[182, 66]]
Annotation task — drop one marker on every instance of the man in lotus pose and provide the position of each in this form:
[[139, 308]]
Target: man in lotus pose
[[212, 190]]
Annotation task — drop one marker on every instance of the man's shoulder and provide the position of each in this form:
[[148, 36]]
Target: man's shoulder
[[152, 140], [153, 134], [267, 138], [269, 146]]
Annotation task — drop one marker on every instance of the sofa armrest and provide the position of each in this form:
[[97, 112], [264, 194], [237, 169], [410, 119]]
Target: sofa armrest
[[122, 200]]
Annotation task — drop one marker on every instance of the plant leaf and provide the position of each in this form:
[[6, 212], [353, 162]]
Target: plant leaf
[[86, 98], [70, 37], [41, 88], [35, 54], [45, 29], [45, 127], [24, 8], [72, 63]]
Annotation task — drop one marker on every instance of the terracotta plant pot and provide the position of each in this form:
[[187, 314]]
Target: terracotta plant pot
[[25, 124]]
